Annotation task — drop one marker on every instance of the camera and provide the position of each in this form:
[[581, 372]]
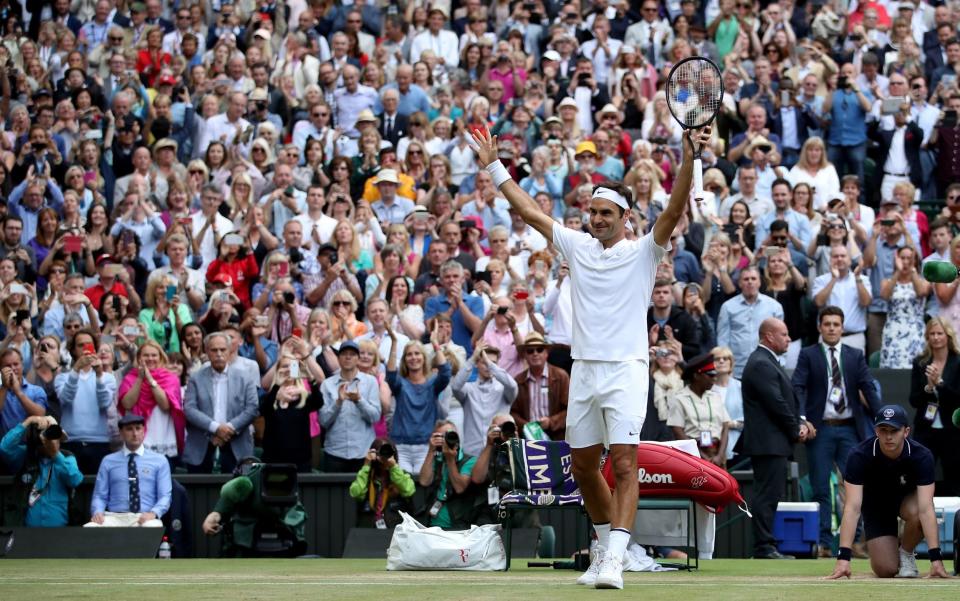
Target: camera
[[387, 450], [334, 257], [508, 430], [260, 105], [842, 82], [295, 256], [288, 297], [582, 79], [22, 316], [451, 439], [662, 352]]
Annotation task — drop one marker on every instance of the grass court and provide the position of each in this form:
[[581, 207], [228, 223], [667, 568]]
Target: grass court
[[355, 579]]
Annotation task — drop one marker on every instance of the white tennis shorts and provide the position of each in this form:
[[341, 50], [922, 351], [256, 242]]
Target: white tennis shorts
[[607, 402]]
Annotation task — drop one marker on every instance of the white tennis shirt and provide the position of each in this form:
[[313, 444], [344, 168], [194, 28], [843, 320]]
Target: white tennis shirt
[[610, 294]]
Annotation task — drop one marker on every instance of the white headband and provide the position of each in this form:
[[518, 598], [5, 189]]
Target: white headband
[[611, 195]]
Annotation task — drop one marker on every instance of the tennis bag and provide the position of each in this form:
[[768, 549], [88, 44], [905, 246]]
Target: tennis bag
[[668, 472]]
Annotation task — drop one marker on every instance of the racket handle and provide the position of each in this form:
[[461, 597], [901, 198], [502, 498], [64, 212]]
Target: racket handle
[[697, 180]]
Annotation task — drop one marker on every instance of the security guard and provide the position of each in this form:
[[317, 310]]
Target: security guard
[[889, 476]]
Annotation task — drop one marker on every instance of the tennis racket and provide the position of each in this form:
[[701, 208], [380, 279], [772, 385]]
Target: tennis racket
[[694, 96]]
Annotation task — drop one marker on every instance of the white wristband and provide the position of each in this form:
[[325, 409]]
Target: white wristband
[[499, 173]]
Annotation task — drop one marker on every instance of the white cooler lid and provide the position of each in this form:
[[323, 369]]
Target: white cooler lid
[[809, 506]]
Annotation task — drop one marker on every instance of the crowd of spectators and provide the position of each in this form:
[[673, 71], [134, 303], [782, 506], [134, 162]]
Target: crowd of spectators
[[260, 225]]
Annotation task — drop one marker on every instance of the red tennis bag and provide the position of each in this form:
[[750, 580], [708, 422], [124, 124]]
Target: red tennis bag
[[665, 471]]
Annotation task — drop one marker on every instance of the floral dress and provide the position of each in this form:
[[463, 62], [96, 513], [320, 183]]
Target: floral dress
[[903, 332]]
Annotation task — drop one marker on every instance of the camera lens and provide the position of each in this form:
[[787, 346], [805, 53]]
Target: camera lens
[[53, 432], [451, 439], [508, 429], [288, 297]]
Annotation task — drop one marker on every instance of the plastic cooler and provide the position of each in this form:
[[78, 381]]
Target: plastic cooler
[[796, 527], [946, 508]]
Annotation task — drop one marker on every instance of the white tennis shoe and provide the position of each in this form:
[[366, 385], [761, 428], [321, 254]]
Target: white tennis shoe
[[589, 578], [611, 573], [908, 565]]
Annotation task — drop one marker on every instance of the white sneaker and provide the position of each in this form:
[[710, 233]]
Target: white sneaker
[[611, 573], [908, 565], [589, 578]]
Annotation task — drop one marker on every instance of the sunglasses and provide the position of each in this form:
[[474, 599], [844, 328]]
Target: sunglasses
[[917, 86], [341, 303], [196, 172], [116, 39], [837, 226], [58, 271], [320, 114], [537, 350], [414, 152]]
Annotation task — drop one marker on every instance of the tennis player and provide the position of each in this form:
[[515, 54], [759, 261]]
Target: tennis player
[[612, 281]]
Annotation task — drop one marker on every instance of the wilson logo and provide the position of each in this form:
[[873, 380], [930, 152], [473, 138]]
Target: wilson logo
[[646, 478]]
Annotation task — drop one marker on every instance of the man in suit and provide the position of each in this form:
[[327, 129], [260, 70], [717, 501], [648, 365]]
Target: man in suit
[[541, 390], [935, 45], [393, 125], [829, 379], [220, 405], [771, 425]]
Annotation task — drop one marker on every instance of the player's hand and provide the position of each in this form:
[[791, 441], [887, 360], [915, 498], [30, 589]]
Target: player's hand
[[937, 570], [842, 569], [486, 145], [695, 141]]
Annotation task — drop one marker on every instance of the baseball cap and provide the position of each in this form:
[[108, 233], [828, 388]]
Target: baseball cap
[[223, 278], [348, 345], [167, 80], [586, 146], [891, 415], [552, 55]]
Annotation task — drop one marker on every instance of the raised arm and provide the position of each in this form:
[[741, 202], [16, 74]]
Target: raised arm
[[486, 148], [680, 195]]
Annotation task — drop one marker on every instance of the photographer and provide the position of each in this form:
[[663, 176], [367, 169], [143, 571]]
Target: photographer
[[452, 500], [45, 474], [846, 108], [382, 486]]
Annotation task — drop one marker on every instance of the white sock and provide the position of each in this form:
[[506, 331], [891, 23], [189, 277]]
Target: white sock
[[603, 534], [619, 539]]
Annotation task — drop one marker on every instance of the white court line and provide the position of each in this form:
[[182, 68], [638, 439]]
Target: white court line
[[901, 583]]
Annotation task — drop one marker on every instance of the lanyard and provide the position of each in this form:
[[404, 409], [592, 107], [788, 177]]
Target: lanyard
[[709, 408]]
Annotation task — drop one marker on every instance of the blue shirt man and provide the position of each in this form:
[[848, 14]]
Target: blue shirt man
[[462, 309], [741, 316], [20, 398], [53, 479], [133, 486]]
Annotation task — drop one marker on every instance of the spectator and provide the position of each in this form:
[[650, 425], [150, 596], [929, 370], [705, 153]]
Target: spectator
[[382, 487], [813, 168], [741, 317], [20, 398], [492, 393], [847, 107], [153, 392], [86, 393], [133, 486], [906, 291], [730, 391], [848, 290], [783, 283], [460, 307], [798, 226], [219, 405], [295, 392], [668, 321], [888, 235], [699, 413], [417, 396], [940, 251], [164, 316], [32, 451], [935, 394]]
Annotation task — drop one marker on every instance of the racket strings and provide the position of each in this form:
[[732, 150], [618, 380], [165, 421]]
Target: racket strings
[[694, 92]]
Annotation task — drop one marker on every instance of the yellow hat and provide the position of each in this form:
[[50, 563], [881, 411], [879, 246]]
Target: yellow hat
[[586, 146]]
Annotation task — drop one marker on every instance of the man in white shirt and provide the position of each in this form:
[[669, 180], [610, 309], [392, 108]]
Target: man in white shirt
[[209, 226], [317, 226], [602, 50], [524, 239], [173, 40], [442, 42], [758, 205], [378, 313], [284, 202], [612, 281], [848, 290], [228, 126], [192, 288]]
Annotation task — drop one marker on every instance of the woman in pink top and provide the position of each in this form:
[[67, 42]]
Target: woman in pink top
[[153, 392], [510, 75]]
